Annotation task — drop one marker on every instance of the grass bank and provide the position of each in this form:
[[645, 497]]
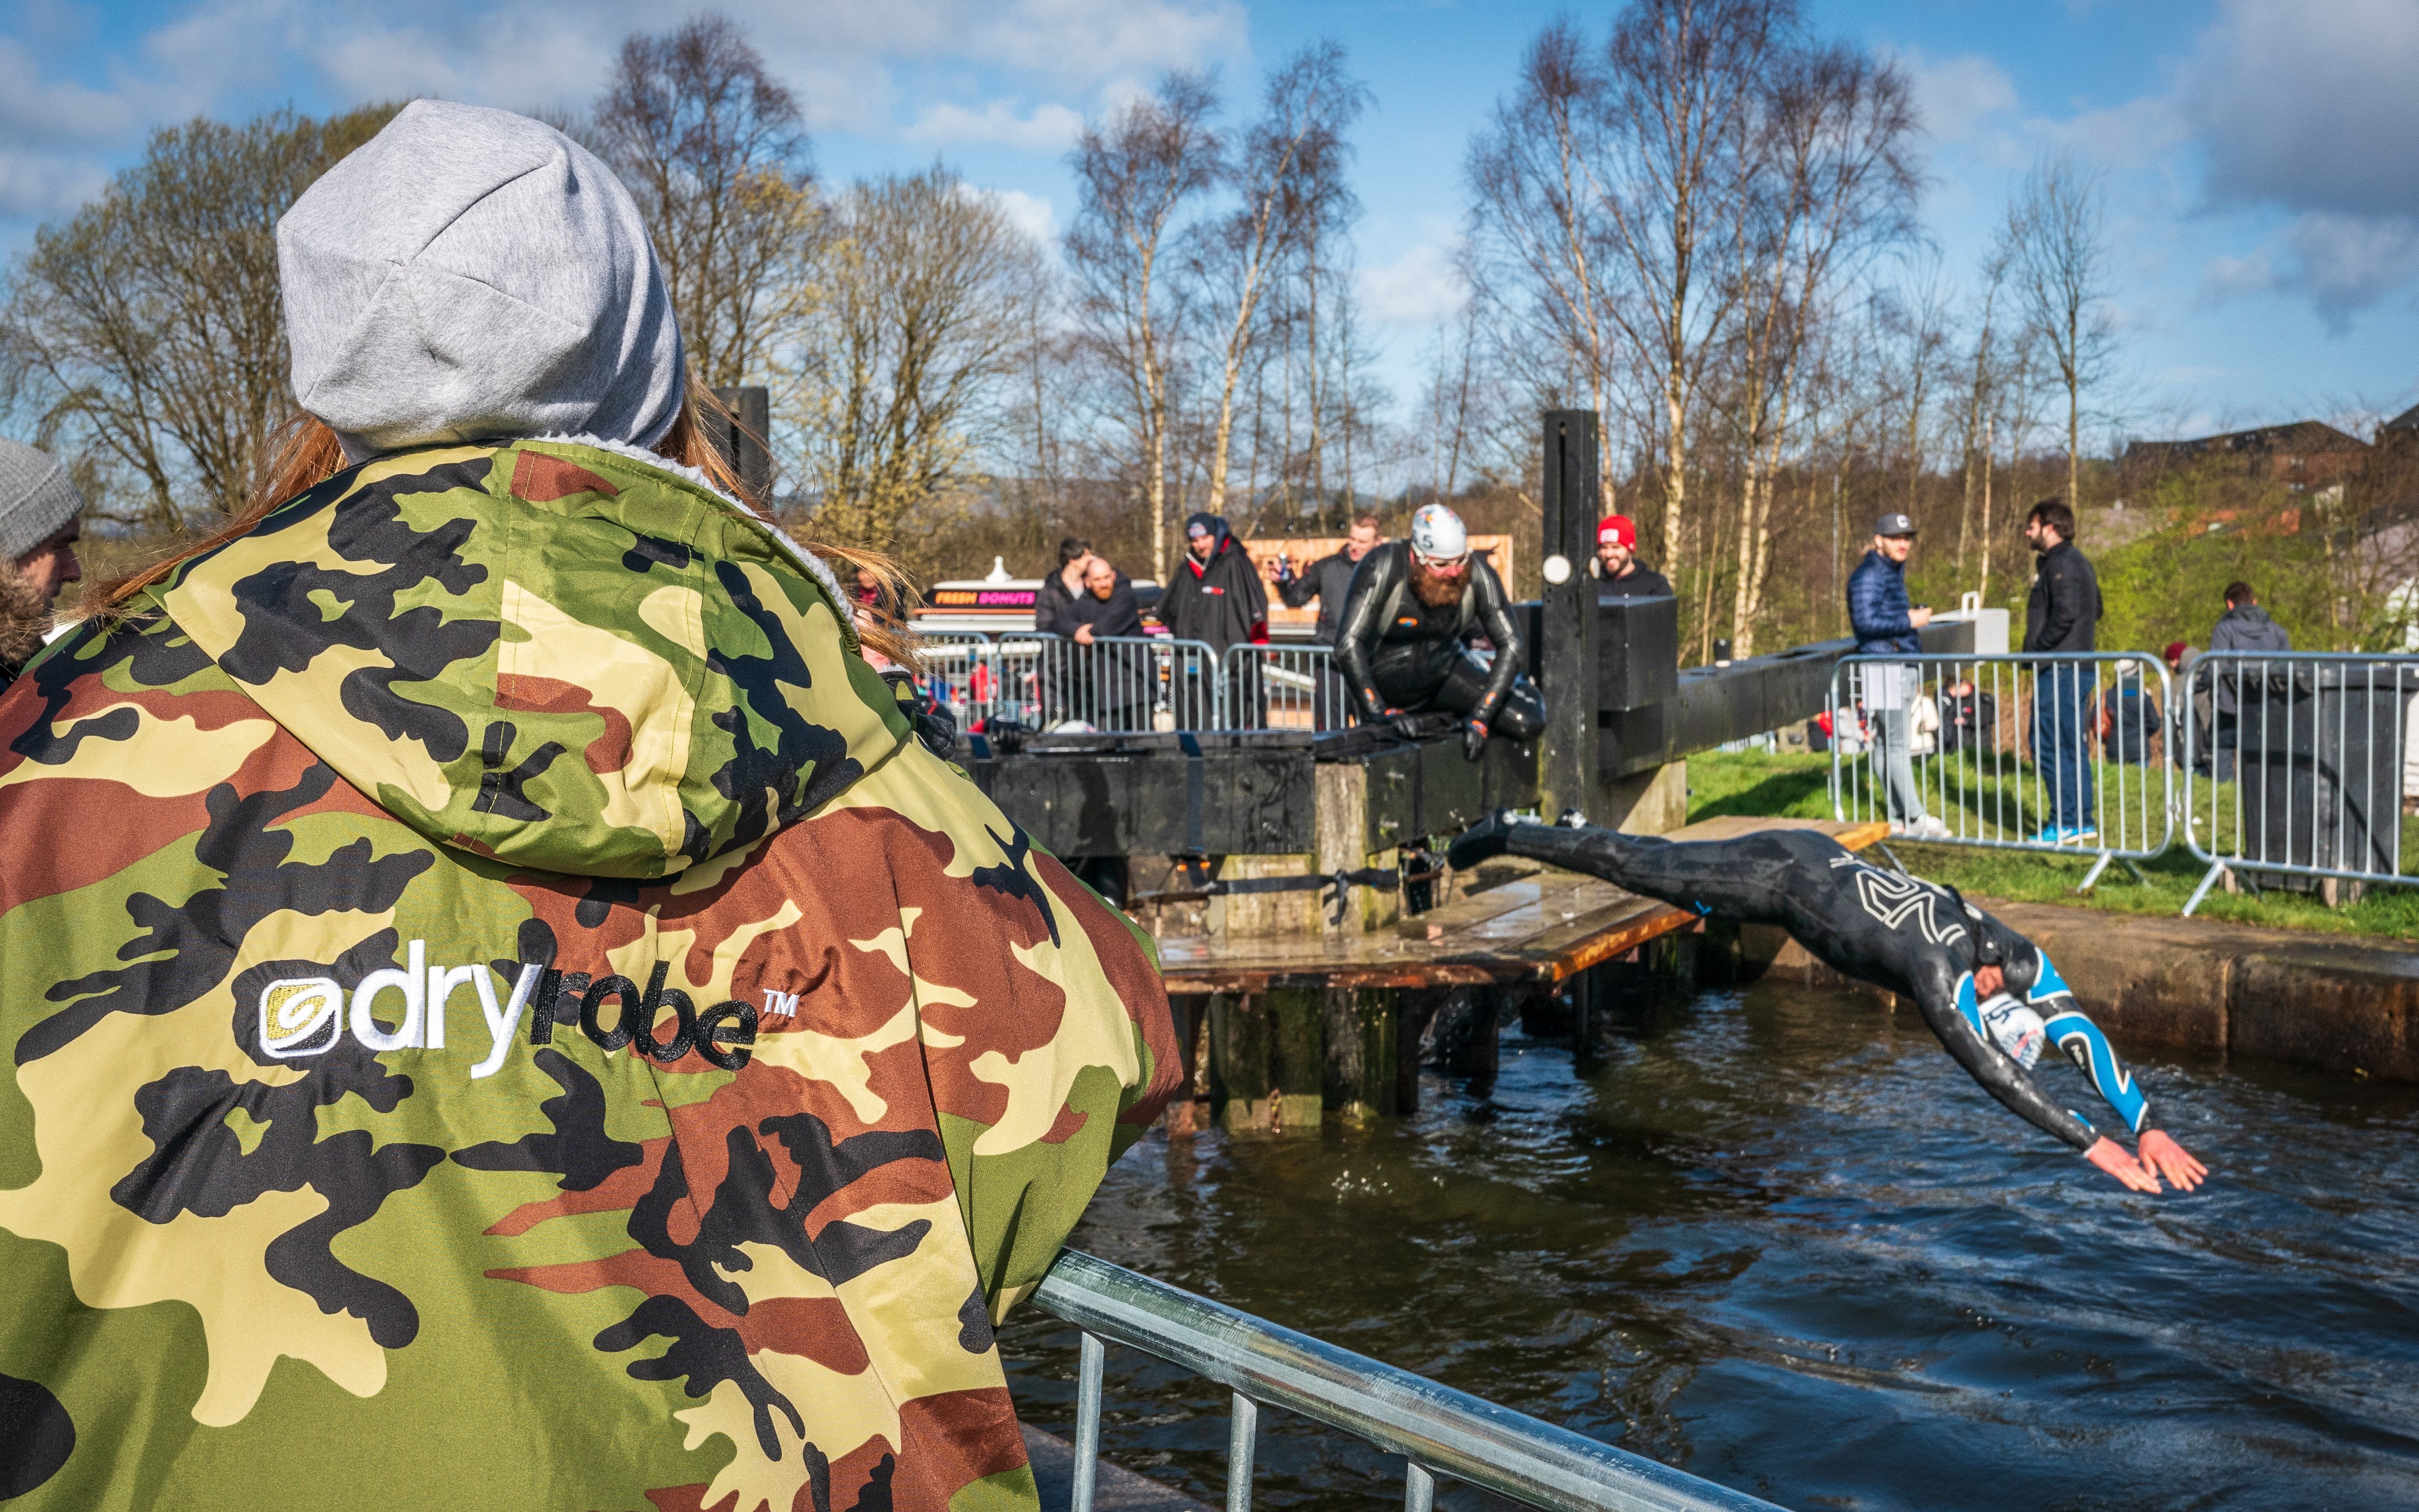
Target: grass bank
[[1785, 786]]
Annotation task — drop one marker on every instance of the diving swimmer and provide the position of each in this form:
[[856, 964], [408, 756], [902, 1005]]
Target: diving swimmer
[[1991, 995], [1399, 645]]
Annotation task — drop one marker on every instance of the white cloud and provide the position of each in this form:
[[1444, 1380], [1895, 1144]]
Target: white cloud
[[1030, 214], [2310, 106], [1049, 127], [1420, 287], [1954, 96], [2309, 109], [844, 59]]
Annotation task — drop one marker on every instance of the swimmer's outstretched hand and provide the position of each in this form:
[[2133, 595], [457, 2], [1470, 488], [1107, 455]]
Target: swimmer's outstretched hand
[[2112, 1157], [2170, 1159]]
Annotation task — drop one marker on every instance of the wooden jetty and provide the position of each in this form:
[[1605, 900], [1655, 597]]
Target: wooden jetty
[[1299, 1027]]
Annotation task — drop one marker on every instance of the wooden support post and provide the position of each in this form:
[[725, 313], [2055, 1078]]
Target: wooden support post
[[1297, 1038], [1183, 1116], [1242, 1092], [1362, 1068]]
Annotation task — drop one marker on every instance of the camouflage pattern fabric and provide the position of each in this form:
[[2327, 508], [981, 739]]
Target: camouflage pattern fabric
[[500, 1014]]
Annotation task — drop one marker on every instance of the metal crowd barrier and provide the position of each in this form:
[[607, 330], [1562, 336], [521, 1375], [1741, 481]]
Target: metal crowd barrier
[[1284, 688], [956, 664], [1126, 685], [1438, 1430], [2057, 753], [2294, 765]]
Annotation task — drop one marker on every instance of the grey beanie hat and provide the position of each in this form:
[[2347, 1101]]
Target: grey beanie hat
[[35, 498], [472, 274]]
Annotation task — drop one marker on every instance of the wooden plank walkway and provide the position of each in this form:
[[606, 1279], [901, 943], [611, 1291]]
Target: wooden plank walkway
[[1539, 928]]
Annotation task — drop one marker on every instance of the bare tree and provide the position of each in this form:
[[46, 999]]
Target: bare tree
[[1538, 232], [715, 151], [2059, 269], [1828, 179], [1137, 173], [924, 317], [1916, 317], [1982, 382], [1681, 76], [1290, 176], [148, 330]]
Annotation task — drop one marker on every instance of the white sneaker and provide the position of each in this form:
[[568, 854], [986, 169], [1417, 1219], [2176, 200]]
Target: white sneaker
[[1927, 827]]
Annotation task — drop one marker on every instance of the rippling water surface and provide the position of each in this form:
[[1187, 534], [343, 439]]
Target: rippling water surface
[[1779, 1238]]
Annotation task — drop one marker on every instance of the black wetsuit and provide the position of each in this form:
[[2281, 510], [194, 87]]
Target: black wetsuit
[[1397, 653], [1920, 940]]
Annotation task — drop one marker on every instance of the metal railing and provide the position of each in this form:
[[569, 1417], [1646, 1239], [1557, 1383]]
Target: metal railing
[[2046, 753], [1125, 684], [2294, 765], [957, 665], [1284, 688], [1438, 1431]]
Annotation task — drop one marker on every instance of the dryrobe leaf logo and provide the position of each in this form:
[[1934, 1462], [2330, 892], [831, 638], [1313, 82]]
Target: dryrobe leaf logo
[[300, 1017]]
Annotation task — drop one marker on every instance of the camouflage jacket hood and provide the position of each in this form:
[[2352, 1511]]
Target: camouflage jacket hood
[[498, 1014], [565, 654]]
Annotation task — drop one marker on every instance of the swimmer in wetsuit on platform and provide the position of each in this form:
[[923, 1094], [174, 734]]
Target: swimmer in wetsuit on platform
[[1399, 647], [1991, 995]]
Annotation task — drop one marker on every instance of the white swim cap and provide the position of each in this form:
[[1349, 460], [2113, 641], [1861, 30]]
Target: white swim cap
[[2017, 1030], [1437, 534]]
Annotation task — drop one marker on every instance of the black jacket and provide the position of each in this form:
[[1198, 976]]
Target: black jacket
[[1640, 581], [1330, 580], [1118, 614], [1392, 654], [2063, 614], [1221, 601], [1052, 600]]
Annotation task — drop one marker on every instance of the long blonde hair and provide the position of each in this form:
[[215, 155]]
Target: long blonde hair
[[305, 453]]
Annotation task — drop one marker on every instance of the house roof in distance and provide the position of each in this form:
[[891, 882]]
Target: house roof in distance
[[2302, 438]]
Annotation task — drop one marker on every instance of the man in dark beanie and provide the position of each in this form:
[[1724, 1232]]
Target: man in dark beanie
[[1216, 598], [40, 510]]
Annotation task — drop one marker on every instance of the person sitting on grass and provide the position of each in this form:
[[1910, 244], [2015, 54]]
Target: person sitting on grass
[[1991, 994]]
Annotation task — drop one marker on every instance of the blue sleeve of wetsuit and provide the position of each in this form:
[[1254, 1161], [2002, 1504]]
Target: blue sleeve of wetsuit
[[1956, 1017], [2083, 1042]]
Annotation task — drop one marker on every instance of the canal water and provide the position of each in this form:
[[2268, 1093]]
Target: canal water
[[1777, 1238]]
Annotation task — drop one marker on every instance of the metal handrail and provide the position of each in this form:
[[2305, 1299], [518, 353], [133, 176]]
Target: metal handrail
[[1438, 1430]]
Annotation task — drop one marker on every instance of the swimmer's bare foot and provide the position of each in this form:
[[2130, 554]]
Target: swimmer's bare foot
[[1483, 840]]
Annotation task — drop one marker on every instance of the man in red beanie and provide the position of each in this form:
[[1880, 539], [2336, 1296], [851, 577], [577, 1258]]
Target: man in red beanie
[[1616, 556]]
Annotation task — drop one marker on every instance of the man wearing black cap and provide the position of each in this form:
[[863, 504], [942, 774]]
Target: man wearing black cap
[[1886, 624]]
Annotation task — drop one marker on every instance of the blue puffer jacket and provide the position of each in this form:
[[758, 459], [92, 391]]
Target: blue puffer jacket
[[1877, 606]]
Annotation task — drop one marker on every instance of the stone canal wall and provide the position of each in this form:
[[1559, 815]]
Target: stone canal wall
[[2335, 1002]]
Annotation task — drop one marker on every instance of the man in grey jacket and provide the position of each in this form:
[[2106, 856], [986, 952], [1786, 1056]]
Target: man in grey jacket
[[40, 515], [2243, 627]]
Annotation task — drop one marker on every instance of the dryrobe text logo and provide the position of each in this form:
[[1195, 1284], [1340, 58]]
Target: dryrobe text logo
[[305, 1017]]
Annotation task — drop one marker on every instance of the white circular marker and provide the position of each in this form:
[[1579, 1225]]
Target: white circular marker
[[1558, 569]]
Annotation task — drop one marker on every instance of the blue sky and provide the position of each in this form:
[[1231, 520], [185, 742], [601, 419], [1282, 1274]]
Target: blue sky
[[2263, 190]]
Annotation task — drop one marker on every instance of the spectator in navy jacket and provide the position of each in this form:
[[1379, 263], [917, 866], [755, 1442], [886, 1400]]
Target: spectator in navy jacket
[[1887, 624]]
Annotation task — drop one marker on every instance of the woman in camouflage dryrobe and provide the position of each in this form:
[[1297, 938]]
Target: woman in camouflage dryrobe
[[501, 1012]]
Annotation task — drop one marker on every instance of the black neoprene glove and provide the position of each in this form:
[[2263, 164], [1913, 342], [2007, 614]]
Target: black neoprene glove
[[1474, 740]]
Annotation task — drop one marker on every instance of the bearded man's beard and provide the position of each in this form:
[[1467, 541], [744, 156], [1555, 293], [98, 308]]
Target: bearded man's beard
[[1436, 592], [25, 617]]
